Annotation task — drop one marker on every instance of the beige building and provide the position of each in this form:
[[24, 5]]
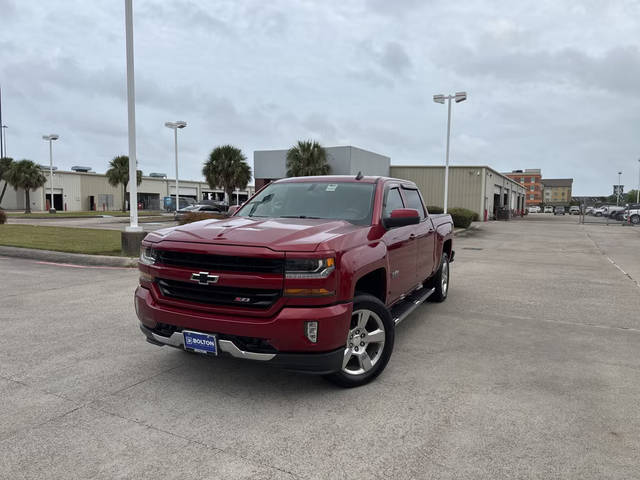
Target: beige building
[[480, 189], [557, 191], [81, 191]]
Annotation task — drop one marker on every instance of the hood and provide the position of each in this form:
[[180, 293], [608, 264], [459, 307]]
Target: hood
[[280, 234]]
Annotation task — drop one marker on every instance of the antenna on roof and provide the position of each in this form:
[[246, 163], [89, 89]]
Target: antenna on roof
[[359, 176]]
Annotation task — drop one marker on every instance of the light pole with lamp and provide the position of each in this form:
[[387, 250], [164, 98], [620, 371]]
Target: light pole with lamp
[[50, 138], [458, 97], [175, 126]]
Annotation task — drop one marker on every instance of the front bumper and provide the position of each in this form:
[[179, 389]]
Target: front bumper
[[284, 332], [317, 363]]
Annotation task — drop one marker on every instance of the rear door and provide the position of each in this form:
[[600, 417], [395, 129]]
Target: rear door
[[425, 235], [401, 247]]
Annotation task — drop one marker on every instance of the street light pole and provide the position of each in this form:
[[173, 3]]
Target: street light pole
[[50, 138], [175, 126], [131, 120], [458, 97]]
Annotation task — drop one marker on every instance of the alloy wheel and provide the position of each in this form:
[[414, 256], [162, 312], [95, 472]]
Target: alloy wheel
[[365, 342], [444, 277]]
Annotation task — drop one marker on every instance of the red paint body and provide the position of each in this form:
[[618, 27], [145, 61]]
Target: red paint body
[[403, 257]]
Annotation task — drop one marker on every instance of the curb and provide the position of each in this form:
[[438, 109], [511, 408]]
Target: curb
[[73, 258]]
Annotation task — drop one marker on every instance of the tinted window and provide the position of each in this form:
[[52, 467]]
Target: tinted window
[[348, 201], [413, 201], [393, 202]]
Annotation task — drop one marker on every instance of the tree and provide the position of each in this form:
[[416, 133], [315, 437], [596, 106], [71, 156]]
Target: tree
[[307, 158], [118, 174], [5, 164], [27, 175], [227, 167]]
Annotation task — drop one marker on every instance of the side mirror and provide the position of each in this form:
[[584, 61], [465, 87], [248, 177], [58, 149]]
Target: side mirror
[[233, 209], [401, 217]]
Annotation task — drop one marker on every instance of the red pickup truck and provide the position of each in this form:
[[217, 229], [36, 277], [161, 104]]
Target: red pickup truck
[[311, 274]]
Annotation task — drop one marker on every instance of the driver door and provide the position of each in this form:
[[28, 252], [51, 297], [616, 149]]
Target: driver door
[[401, 249]]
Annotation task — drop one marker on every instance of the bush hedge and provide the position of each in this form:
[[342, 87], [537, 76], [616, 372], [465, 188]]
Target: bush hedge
[[198, 216], [462, 217], [435, 210], [3, 217]]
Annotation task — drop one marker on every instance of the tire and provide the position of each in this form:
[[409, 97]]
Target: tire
[[440, 281], [635, 219], [370, 316]]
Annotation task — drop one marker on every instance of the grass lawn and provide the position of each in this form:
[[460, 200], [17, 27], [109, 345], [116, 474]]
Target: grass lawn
[[62, 239], [146, 213]]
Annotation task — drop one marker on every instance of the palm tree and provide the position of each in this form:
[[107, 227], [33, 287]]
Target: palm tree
[[118, 174], [5, 164], [227, 167], [27, 175], [307, 158]]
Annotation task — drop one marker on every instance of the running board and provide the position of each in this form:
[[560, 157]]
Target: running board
[[403, 309]]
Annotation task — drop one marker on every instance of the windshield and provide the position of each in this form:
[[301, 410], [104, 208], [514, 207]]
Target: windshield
[[348, 201]]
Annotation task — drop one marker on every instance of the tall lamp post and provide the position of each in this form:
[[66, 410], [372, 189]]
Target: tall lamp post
[[458, 97], [50, 138], [175, 126]]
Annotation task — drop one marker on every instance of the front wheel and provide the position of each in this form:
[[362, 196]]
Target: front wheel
[[635, 219], [440, 281], [369, 343]]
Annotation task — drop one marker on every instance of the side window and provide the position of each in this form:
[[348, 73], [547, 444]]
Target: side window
[[393, 201], [413, 200]]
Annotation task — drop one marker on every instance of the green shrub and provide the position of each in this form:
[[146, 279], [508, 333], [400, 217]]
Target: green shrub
[[435, 210], [462, 217], [198, 216], [3, 217]]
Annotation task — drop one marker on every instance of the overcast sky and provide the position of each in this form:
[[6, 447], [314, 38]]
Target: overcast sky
[[552, 84]]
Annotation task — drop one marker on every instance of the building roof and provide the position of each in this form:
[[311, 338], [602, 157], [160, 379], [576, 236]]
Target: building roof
[[557, 182]]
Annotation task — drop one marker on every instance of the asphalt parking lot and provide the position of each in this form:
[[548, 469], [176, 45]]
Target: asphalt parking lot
[[531, 369]]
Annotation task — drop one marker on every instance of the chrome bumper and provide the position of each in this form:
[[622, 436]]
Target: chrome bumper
[[176, 340]]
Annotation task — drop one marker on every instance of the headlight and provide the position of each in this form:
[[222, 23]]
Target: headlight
[[309, 267], [148, 255]]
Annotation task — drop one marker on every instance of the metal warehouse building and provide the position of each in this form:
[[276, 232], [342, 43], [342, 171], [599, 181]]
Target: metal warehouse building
[[77, 191], [481, 189]]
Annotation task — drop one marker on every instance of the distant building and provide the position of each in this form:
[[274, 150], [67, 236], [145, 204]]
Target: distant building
[[557, 191], [480, 188], [270, 165], [85, 190], [531, 179]]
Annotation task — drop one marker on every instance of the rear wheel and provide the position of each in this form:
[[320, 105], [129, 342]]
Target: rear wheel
[[369, 343], [635, 219]]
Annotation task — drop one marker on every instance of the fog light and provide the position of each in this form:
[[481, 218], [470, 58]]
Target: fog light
[[311, 331]]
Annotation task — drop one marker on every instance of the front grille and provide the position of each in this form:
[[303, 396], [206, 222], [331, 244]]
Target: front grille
[[257, 298], [224, 263]]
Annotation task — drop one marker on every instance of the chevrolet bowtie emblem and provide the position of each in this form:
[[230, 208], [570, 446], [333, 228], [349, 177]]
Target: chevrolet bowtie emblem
[[203, 278]]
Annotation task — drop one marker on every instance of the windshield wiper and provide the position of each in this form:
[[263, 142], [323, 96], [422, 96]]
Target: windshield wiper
[[299, 216]]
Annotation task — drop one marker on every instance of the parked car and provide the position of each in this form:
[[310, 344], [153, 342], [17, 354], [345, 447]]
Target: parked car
[[588, 210], [632, 213], [615, 212], [574, 210], [180, 214], [548, 209], [534, 209], [559, 211], [600, 211], [311, 274]]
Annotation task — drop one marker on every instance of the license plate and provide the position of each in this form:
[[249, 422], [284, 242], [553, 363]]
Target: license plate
[[200, 342]]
